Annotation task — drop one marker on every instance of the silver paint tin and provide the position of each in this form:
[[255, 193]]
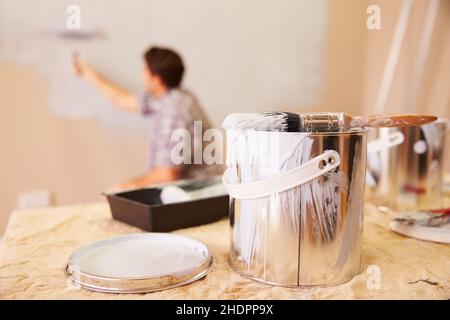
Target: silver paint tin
[[309, 233]]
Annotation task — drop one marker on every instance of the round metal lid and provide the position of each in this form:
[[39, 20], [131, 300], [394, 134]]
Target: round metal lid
[[423, 225], [137, 263]]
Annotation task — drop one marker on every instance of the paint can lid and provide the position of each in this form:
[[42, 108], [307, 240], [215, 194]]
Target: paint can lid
[[137, 263], [423, 225]]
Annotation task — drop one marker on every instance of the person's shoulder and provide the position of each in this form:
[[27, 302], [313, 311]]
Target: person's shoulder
[[176, 102], [183, 98], [183, 93]]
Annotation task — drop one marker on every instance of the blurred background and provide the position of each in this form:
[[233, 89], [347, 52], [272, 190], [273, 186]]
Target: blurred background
[[61, 143]]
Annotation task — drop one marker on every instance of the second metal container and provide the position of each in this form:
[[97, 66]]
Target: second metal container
[[408, 175]]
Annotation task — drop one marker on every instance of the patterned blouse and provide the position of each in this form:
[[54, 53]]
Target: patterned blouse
[[177, 109]]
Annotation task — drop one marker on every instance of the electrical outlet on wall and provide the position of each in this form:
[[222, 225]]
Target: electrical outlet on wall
[[34, 199]]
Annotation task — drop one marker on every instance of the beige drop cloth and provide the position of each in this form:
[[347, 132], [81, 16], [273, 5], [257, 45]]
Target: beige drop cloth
[[38, 243]]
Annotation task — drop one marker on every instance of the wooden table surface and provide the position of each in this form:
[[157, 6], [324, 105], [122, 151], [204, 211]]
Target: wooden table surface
[[38, 243]]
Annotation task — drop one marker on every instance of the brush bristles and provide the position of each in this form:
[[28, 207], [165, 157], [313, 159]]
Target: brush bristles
[[256, 121], [290, 122]]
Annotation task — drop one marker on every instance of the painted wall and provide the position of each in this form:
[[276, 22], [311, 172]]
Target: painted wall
[[73, 158], [248, 55]]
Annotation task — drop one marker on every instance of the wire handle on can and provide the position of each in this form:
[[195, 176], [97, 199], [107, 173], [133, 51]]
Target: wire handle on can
[[392, 140], [325, 162]]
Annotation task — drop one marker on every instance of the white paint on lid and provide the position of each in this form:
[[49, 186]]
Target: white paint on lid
[[141, 256]]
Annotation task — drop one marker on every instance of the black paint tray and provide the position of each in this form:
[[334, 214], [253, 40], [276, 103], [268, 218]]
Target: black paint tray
[[143, 207]]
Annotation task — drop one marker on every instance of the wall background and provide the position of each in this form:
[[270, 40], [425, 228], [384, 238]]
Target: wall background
[[76, 158], [248, 55]]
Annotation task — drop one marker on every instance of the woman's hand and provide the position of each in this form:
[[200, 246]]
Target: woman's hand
[[81, 67]]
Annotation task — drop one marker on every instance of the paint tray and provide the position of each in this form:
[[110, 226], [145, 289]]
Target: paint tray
[[144, 209]]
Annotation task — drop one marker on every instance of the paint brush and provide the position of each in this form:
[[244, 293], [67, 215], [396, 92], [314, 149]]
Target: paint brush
[[320, 121]]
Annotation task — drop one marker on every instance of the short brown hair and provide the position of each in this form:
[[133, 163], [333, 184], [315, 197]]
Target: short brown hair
[[166, 64]]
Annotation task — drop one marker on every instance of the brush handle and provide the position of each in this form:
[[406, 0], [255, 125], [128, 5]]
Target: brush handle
[[385, 120], [339, 121]]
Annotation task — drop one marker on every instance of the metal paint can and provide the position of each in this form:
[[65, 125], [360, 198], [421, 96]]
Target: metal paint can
[[408, 175], [296, 205]]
